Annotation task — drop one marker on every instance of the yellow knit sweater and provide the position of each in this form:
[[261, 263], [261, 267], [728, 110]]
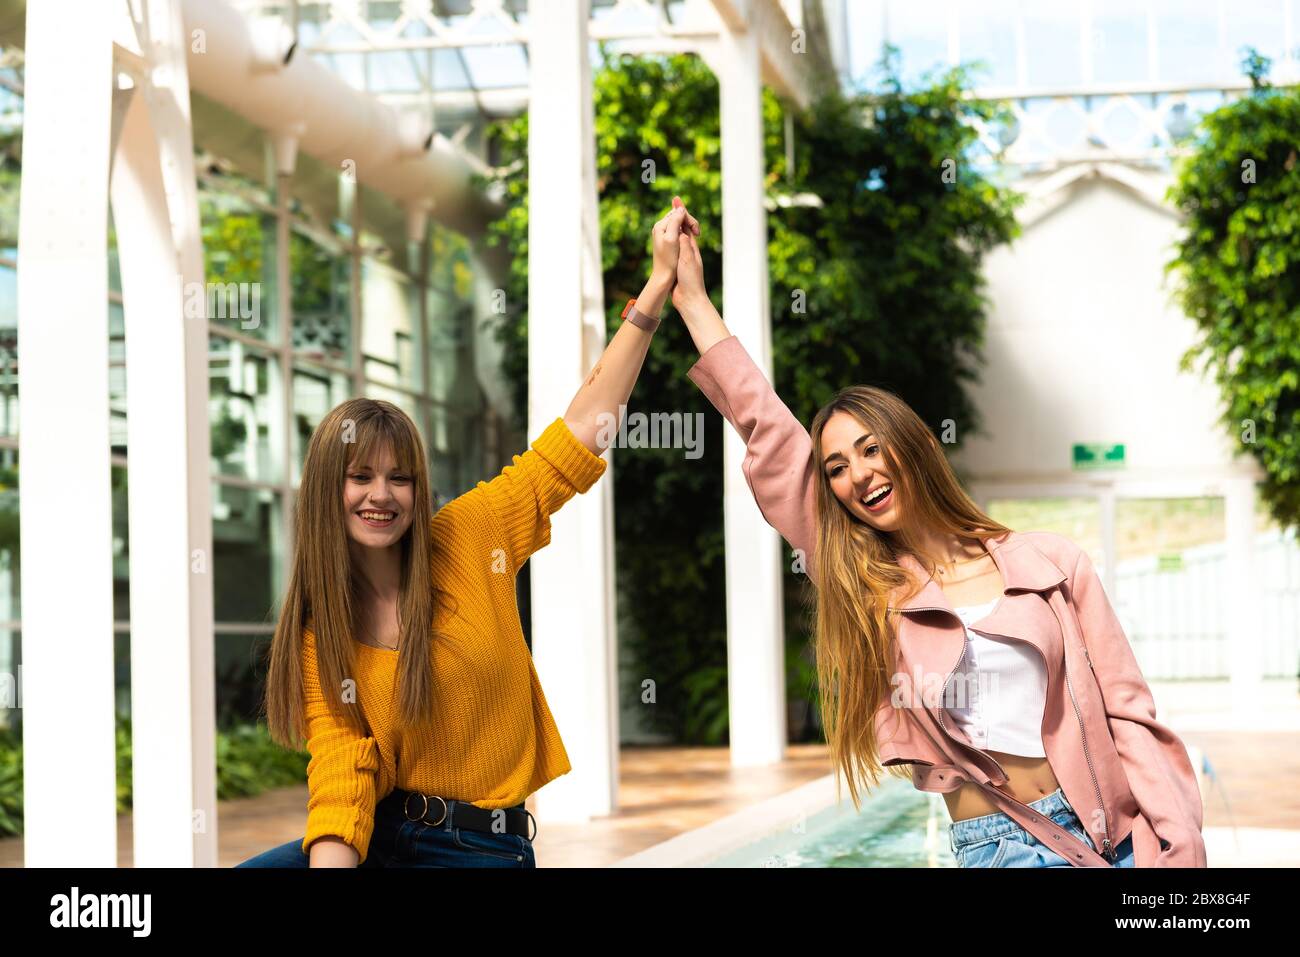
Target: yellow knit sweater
[[492, 741]]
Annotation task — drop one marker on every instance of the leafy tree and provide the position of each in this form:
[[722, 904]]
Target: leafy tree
[[1239, 268], [878, 284]]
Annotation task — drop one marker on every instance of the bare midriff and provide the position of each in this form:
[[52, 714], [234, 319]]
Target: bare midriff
[[1028, 778]]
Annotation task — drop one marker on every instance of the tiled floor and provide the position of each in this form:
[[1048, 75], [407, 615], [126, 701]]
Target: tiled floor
[[665, 791]]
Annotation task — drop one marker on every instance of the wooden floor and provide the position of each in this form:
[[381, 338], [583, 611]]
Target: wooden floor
[[665, 791]]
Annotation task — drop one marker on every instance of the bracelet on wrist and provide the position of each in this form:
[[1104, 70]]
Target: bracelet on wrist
[[638, 318]]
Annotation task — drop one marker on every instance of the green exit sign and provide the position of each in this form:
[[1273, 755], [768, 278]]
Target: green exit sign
[[1097, 456]]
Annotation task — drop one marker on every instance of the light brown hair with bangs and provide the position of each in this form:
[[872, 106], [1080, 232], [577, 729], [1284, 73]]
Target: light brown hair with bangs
[[321, 593]]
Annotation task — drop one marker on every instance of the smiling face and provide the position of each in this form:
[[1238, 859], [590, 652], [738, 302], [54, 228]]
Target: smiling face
[[855, 468], [379, 500]]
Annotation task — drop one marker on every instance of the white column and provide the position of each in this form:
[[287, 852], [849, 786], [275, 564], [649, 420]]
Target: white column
[[572, 591], [1245, 654], [1107, 522], [755, 638], [65, 511], [155, 210]]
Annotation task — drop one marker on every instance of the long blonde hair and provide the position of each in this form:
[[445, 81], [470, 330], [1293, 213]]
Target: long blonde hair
[[321, 592], [859, 574]]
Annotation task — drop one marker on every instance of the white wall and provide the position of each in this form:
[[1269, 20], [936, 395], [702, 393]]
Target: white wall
[[1083, 346]]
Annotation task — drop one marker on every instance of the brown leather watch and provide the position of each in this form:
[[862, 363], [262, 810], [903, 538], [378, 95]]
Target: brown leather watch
[[638, 318]]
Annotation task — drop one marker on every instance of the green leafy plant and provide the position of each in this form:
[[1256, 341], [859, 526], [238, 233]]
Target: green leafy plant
[[1238, 264]]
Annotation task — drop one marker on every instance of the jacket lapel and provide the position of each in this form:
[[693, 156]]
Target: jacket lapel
[[934, 643]]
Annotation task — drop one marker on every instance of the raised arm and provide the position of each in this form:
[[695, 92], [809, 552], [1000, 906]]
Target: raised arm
[[593, 415], [565, 459], [778, 450]]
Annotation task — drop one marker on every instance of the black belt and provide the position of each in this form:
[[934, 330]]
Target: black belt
[[435, 811]]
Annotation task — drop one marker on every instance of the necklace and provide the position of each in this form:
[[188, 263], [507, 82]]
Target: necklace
[[377, 641], [978, 558]]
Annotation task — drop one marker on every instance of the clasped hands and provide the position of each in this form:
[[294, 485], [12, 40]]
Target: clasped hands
[[678, 268]]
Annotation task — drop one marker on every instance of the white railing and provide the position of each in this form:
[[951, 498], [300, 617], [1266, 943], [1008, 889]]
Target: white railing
[[1176, 619]]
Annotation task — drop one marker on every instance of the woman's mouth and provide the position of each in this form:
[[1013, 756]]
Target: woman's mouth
[[377, 519], [878, 500]]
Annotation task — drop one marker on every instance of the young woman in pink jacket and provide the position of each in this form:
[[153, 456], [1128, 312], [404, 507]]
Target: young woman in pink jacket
[[983, 663]]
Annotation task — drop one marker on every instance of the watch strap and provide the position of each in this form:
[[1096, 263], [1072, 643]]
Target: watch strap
[[638, 318]]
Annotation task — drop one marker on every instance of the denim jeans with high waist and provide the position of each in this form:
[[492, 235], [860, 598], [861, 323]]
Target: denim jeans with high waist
[[398, 842], [996, 840]]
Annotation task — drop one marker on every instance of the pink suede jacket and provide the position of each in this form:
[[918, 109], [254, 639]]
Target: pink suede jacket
[[1122, 771]]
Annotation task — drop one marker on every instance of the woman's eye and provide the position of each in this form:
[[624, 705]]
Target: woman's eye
[[873, 449], [835, 471]]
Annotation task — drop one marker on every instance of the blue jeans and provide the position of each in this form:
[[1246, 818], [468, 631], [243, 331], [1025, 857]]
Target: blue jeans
[[397, 842], [996, 840]]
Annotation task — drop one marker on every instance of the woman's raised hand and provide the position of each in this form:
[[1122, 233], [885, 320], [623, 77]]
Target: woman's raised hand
[[690, 298], [677, 222], [689, 291]]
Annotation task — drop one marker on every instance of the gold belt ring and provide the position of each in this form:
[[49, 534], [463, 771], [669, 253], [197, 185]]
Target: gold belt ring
[[423, 815]]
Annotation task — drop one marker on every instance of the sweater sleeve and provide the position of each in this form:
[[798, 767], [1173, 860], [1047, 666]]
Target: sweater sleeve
[[778, 450], [341, 773], [1155, 761], [534, 486]]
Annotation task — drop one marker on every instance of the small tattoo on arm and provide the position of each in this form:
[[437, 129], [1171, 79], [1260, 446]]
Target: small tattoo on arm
[[594, 372]]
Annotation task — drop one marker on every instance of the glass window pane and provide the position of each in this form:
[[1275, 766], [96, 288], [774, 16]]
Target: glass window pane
[[455, 453], [239, 410], [248, 553], [11, 153], [10, 609], [452, 377], [240, 676], [315, 392], [322, 300], [239, 261], [989, 34], [450, 263], [1052, 46], [8, 347], [116, 379], [121, 545], [919, 28], [1187, 39], [11, 716], [1119, 42], [390, 318], [1260, 24]]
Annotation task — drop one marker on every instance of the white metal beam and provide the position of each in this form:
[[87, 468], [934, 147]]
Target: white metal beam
[[573, 624], [155, 209], [65, 510], [755, 629]]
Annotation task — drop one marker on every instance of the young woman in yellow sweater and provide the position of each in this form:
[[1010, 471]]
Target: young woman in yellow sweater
[[399, 655]]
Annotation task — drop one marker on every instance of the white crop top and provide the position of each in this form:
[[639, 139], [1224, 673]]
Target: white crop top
[[998, 691]]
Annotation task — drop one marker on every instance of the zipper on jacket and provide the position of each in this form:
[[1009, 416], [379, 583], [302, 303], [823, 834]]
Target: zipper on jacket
[[1107, 849]]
